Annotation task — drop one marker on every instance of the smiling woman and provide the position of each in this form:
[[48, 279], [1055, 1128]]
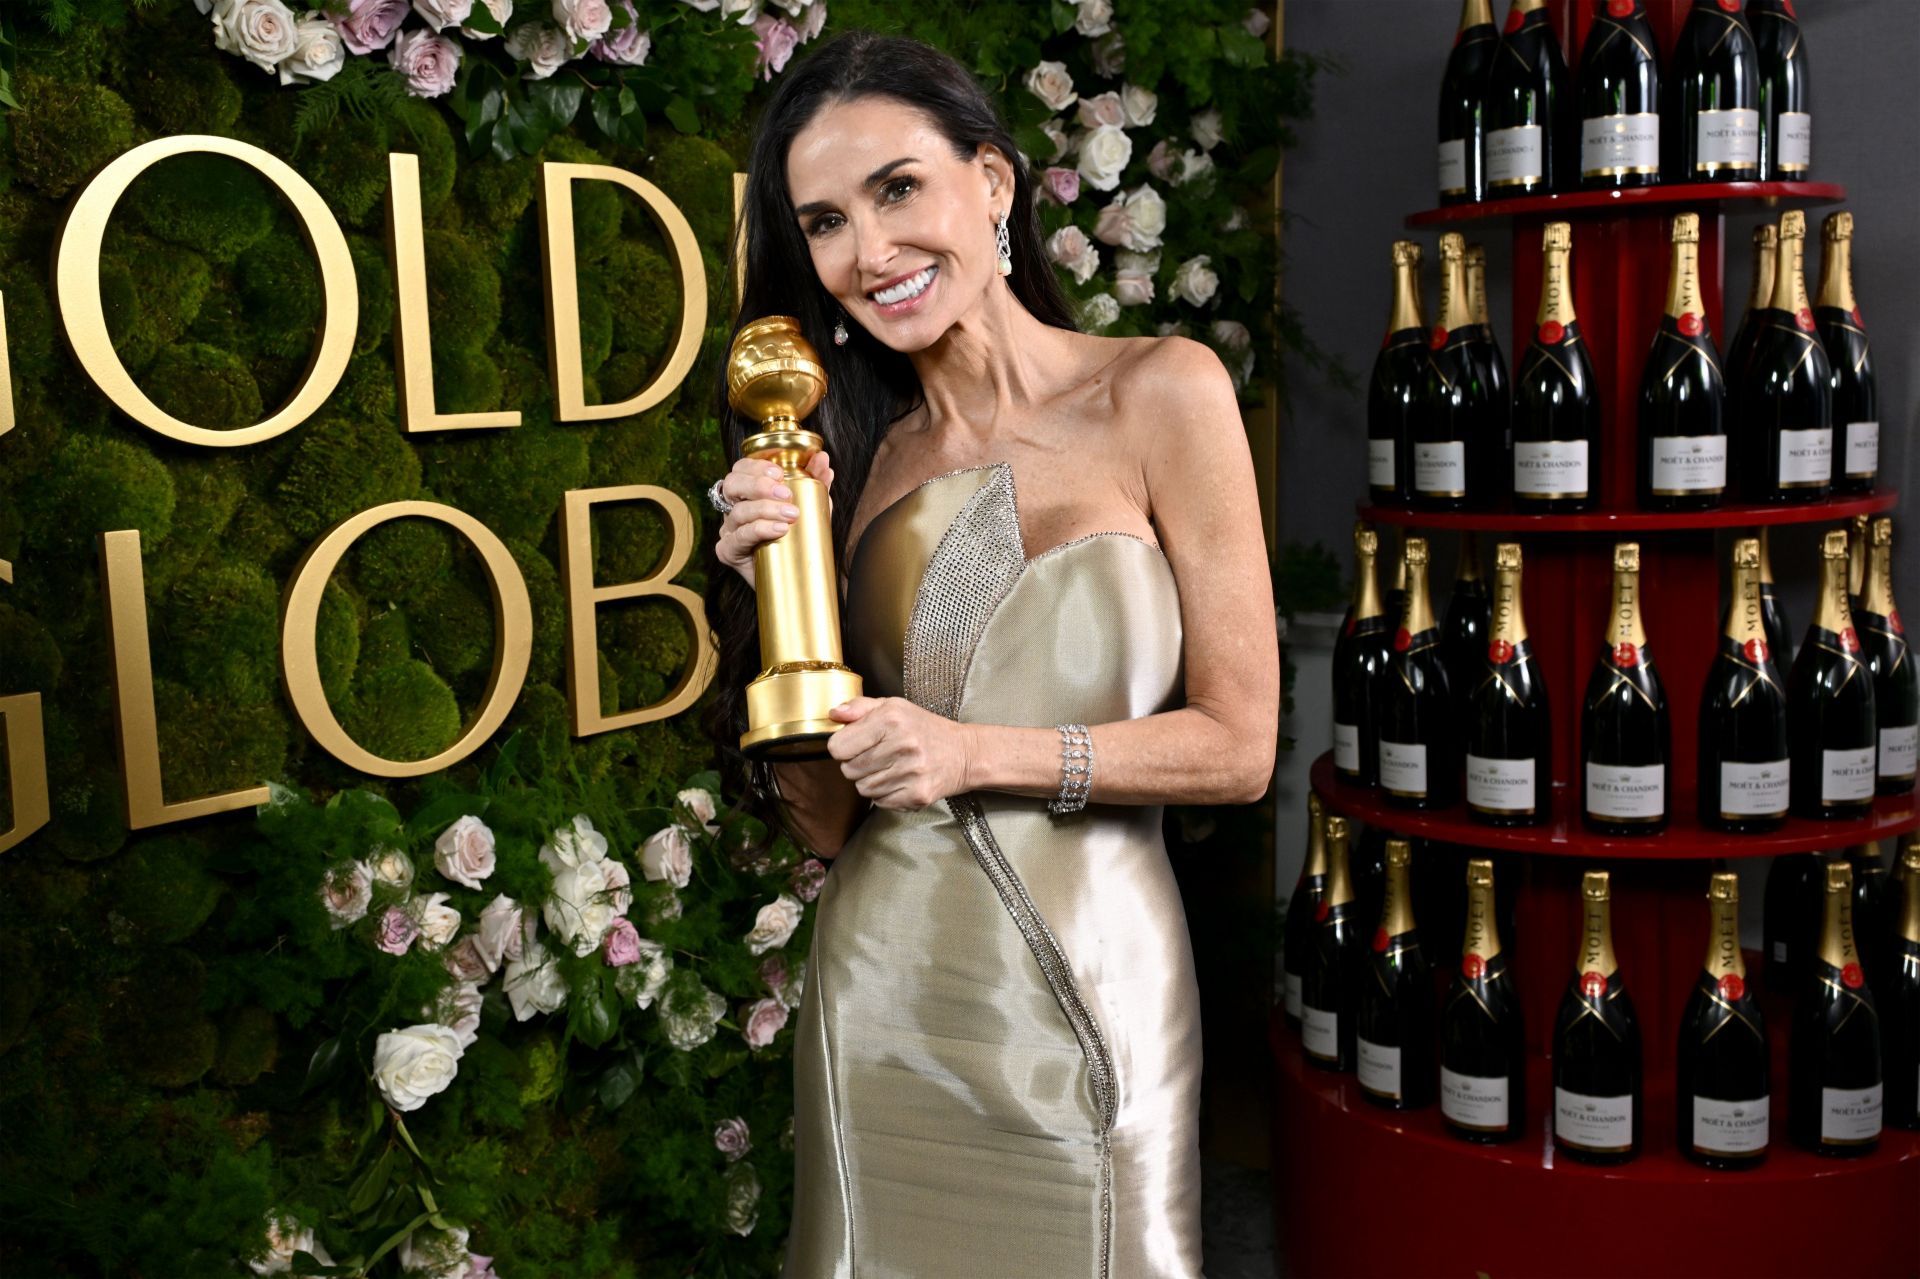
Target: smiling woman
[[997, 1064]]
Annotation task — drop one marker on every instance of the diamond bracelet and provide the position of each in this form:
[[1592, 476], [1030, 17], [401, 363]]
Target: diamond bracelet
[[1076, 768]]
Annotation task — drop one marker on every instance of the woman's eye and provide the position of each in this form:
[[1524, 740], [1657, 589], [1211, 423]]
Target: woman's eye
[[898, 189], [821, 223]]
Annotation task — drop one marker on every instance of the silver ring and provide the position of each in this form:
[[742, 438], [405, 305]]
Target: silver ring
[[719, 501]]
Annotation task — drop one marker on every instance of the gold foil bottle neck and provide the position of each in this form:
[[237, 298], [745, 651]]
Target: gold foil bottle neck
[[1859, 530], [1417, 608], [1475, 13], [1686, 228], [1366, 582], [1836, 928], [1316, 862], [1838, 226], [1556, 275], [1789, 276], [1477, 283], [1396, 903], [1910, 916], [1339, 875], [1456, 308], [1406, 253], [1723, 934], [1596, 932], [1833, 612], [1683, 274], [1509, 622], [1557, 235], [1482, 940], [1623, 620], [1836, 263], [1746, 622]]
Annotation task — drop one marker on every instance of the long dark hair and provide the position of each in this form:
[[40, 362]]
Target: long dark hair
[[869, 385]]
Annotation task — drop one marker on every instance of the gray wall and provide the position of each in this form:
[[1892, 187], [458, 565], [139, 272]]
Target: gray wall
[[1366, 160]]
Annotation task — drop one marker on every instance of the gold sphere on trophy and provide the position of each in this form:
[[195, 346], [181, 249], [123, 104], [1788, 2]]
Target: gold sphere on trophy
[[774, 377]]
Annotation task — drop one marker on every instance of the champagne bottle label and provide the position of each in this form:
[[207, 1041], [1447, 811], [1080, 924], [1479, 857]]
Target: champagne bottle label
[[1440, 470], [1793, 142], [1320, 1032], [1685, 464], [1346, 747], [1403, 768], [1588, 1122], [1806, 457], [1850, 1116], [1453, 167], [1614, 144], [1293, 996], [1753, 790], [1627, 793], [1379, 1068], [1898, 750], [1551, 468], [1518, 155], [1380, 463], [1861, 452], [1846, 777], [1727, 139], [1500, 785], [1729, 1127], [1479, 1102]]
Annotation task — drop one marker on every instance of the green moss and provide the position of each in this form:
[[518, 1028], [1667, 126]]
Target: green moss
[[542, 714], [630, 541], [420, 128], [403, 712], [96, 484], [258, 529], [386, 640], [180, 89], [279, 284], [348, 162], [212, 204], [63, 131], [596, 326], [203, 385], [207, 494], [549, 612], [596, 205], [631, 446], [499, 193], [33, 661], [697, 175], [132, 341], [162, 884], [171, 283], [400, 558], [367, 393], [341, 468], [655, 632], [30, 324], [249, 1046], [463, 292], [373, 277], [466, 382], [512, 481], [649, 291], [212, 744], [156, 1028], [218, 631], [20, 993], [453, 624], [337, 641]]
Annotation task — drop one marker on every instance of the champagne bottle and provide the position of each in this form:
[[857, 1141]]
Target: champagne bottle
[[1830, 704], [1683, 393], [1772, 611], [1399, 374], [1556, 406], [1901, 1000], [1417, 764], [1396, 600], [1859, 537], [1786, 126], [1394, 1039], [1463, 104], [1597, 1105], [1532, 123], [1791, 921], [1304, 906], [1483, 1058], [1871, 907], [1896, 694], [1856, 397], [1619, 99], [1766, 248], [1329, 986], [1744, 766], [1710, 125], [1361, 668], [1834, 1086], [1723, 1075], [1485, 347], [1626, 743], [1367, 872], [1784, 394], [1469, 615], [1509, 730], [1457, 452]]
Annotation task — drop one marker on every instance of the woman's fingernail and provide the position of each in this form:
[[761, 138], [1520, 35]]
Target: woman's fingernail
[[791, 512], [781, 490]]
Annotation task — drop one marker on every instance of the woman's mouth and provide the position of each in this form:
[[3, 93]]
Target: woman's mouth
[[903, 297]]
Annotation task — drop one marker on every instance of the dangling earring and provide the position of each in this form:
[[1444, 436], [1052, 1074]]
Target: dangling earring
[[1004, 243], [840, 330]]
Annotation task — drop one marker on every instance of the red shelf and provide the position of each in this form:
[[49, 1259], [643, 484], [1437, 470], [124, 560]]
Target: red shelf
[[1564, 835], [1834, 510], [1577, 203]]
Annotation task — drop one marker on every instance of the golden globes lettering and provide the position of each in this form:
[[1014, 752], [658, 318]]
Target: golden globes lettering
[[78, 303]]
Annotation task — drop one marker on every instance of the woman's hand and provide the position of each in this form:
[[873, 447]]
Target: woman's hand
[[899, 754], [763, 509]]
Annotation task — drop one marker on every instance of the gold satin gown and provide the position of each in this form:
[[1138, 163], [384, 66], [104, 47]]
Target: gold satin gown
[[997, 1064]]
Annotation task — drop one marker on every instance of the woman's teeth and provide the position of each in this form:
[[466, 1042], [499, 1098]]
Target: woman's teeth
[[907, 288]]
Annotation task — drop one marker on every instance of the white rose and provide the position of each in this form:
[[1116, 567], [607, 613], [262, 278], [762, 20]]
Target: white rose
[[500, 10], [1109, 55], [667, 855], [574, 845], [749, 11], [644, 979], [1169, 328], [743, 1198], [585, 901], [458, 1009], [1139, 105], [1193, 164], [704, 6], [1049, 82], [1095, 17], [1146, 218], [436, 1254], [533, 983], [285, 1236], [775, 924], [541, 45], [689, 1019], [1070, 247], [1098, 311], [1101, 109], [583, 19], [1257, 22], [814, 22], [1133, 277], [1193, 282], [503, 931], [439, 923], [347, 891], [664, 908], [1235, 220], [1205, 129], [318, 51], [464, 852], [1104, 152], [1231, 334], [412, 1065], [391, 868], [261, 31], [1057, 134], [702, 804], [440, 14]]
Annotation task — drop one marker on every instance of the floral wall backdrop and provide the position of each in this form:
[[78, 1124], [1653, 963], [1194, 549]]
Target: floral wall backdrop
[[529, 1016]]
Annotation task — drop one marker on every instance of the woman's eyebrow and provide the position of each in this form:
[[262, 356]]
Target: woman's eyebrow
[[873, 180]]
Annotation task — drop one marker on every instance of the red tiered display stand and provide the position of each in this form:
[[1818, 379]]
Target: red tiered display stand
[[1459, 1208]]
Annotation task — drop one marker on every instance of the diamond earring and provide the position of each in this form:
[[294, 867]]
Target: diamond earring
[[1004, 243], [840, 330]]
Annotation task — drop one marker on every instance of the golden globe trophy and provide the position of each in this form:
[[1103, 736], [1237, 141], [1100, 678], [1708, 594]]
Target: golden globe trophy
[[775, 378]]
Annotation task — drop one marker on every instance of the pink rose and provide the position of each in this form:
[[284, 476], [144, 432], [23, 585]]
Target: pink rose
[[504, 931], [464, 852], [807, 878], [1161, 159], [776, 39], [627, 47], [428, 61], [621, 946], [465, 961], [1061, 185], [370, 24], [773, 971], [1115, 225], [765, 1019], [1104, 108], [397, 931], [479, 1267], [730, 1138], [813, 20]]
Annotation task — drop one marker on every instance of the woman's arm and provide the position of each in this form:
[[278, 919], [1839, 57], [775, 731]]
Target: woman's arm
[[1197, 472]]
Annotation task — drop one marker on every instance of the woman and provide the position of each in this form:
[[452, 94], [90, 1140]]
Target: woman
[[1057, 595]]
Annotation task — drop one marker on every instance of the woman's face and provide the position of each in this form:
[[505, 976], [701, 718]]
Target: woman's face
[[887, 209]]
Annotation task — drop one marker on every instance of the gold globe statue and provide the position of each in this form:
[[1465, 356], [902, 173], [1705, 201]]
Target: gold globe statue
[[775, 378]]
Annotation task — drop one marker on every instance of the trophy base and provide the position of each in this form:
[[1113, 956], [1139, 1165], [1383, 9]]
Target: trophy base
[[787, 710]]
